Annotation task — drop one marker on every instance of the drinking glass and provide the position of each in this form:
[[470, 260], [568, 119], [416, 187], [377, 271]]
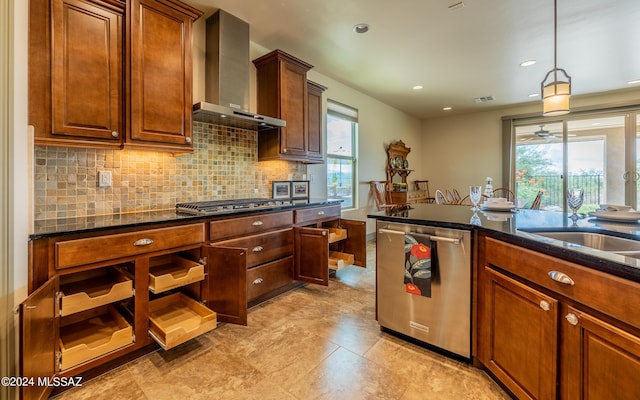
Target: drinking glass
[[575, 197], [475, 194]]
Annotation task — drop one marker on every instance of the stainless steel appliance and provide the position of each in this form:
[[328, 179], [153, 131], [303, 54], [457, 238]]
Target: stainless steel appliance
[[442, 320], [226, 206], [227, 72]]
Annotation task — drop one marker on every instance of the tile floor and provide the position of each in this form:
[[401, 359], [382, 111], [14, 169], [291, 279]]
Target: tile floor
[[310, 343]]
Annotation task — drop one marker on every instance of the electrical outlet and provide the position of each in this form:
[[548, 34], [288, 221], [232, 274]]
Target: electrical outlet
[[104, 179]]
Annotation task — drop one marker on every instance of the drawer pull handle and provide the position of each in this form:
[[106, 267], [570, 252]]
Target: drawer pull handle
[[257, 223], [561, 277], [143, 242], [258, 249], [114, 134], [320, 212], [258, 281], [572, 318], [544, 305]]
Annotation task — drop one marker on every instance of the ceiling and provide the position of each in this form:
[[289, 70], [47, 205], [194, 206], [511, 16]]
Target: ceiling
[[456, 54]]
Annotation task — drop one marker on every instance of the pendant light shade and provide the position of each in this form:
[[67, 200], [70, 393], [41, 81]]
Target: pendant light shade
[[556, 86]]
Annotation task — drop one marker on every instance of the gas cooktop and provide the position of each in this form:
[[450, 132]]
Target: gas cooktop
[[225, 206]]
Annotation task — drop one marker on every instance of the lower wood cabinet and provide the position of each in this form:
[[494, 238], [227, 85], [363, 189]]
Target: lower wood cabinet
[[101, 297], [599, 360], [122, 300], [544, 339], [246, 269], [519, 339]]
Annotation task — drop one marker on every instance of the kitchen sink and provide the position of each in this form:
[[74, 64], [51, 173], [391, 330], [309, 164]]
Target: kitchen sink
[[598, 241]]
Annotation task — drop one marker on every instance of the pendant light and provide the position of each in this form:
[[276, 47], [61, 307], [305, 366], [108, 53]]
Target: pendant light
[[555, 94]]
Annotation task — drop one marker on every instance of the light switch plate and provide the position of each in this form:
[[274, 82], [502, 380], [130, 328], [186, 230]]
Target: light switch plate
[[104, 179]]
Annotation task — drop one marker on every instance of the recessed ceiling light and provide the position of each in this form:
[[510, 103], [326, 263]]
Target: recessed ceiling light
[[534, 95], [417, 87], [527, 63], [361, 28], [447, 109], [633, 82]]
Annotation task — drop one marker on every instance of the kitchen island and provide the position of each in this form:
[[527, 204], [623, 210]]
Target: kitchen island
[[550, 319]]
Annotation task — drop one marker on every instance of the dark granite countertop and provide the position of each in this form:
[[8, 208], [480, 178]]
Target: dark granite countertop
[[63, 226], [518, 227]]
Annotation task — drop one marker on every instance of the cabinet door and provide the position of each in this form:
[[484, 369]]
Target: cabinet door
[[599, 361], [39, 338], [87, 70], [314, 121], [356, 241], [293, 86], [311, 255], [161, 74], [518, 336], [227, 283]]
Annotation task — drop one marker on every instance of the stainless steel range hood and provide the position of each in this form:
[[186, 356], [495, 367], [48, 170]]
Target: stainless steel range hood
[[227, 76]]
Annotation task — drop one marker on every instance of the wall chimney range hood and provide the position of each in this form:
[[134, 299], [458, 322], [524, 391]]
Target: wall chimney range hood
[[227, 77]]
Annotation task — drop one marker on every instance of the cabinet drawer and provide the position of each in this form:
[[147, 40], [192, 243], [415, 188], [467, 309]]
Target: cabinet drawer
[[264, 247], [601, 291], [268, 277], [249, 225], [91, 289], [172, 271], [84, 340], [71, 253], [316, 213], [176, 318]]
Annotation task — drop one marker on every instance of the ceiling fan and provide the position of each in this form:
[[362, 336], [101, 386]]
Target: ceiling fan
[[545, 135]]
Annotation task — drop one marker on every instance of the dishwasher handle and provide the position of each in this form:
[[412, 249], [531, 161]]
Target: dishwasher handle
[[432, 238]]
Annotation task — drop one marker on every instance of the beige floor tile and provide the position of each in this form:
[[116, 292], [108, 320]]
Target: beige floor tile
[[345, 375]]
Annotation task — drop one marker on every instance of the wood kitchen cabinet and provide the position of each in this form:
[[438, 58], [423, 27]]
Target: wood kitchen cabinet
[[571, 338], [254, 258], [283, 92], [314, 121], [161, 75], [109, 73], [97, 306], [521, 337], [76, 66]]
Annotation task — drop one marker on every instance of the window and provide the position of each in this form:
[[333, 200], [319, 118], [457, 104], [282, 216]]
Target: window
[[595, 151], [342, 130]]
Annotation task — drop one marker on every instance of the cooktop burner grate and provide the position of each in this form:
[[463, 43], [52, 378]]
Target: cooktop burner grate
[[221, 206]]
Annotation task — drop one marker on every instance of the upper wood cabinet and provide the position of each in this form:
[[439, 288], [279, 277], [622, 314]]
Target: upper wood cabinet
[[76, 72], [161, 74], [283, 92], [314, 121], [103, 73]]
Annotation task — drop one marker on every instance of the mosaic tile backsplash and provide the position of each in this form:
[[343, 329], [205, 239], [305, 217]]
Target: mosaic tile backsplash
[[224, 166]]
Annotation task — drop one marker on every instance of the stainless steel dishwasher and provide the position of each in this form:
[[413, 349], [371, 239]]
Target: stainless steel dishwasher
[[444, 318]]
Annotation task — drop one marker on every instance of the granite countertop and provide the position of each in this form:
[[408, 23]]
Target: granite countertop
[[520, 227], [63, 226]]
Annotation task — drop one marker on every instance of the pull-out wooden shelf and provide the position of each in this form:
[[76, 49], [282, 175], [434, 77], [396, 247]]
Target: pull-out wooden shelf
[[93, 337], [337, 234], [173, 271], [176, 318], [339, 260], [80, 292]]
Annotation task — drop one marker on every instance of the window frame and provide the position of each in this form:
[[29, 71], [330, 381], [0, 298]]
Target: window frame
[[350, 114]]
